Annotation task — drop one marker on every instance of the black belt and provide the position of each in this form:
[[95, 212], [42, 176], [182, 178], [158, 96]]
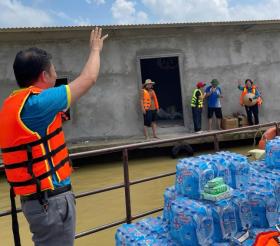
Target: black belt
[[47, 193]]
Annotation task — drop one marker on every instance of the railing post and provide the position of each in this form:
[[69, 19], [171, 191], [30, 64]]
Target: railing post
[[216, 143], [126, 186]]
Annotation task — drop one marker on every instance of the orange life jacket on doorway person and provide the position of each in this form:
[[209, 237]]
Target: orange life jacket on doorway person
[[270, 238], [24, 154], [147, 99], [245, 91], [268, 135]]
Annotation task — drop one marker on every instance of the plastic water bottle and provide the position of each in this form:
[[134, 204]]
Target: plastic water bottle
[[128, 235], [191, 222], [243, 210], [156, 226], [239, 170], [169, 197], [224, 220], [192, 177], [272, 153], [258, 206], [221, 167], [272, 211]]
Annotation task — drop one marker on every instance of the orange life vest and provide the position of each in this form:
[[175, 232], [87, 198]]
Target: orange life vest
[[268, 135], [270, 238], [147, 99], [24, 154], [245, 91]]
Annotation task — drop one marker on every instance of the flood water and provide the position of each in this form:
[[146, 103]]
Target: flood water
[[106, 207]]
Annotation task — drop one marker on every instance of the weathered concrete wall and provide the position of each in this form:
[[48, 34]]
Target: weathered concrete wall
[[111, 108]]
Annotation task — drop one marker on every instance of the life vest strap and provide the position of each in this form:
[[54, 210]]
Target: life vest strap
[[15, 225], [41, 177], [36, 160], [32, 144]]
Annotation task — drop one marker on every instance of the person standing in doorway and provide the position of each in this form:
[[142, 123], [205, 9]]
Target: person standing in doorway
[[33, 147], [197, 105], [213, 93], [150, 107], [251, 99]]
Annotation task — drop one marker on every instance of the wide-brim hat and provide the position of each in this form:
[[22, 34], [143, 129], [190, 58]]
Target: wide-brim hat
[[215, 82], [147, 82]]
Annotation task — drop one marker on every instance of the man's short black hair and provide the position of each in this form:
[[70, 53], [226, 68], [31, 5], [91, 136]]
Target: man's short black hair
[[29, 64], [249, 80]]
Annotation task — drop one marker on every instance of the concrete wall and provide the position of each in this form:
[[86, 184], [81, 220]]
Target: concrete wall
[[111, 108]]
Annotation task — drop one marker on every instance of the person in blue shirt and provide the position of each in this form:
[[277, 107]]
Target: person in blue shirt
[[252, 93], [52, 223], [213, 94]]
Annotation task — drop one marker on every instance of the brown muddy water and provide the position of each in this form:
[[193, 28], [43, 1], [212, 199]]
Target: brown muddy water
[[107, 207]]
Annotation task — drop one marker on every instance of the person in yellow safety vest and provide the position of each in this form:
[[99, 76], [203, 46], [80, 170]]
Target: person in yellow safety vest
[[150, 107], [197, 105], [252, 108]]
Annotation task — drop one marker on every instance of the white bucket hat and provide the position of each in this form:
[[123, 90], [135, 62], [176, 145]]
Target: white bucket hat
[[148, 81]]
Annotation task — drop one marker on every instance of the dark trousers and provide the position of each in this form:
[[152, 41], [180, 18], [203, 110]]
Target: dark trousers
[[196, 113], [252, 110]]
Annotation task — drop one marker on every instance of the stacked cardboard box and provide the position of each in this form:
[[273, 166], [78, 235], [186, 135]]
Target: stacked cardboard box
[[229, 122]]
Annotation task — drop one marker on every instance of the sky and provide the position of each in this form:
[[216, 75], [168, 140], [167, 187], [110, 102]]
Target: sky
[[37, 13]]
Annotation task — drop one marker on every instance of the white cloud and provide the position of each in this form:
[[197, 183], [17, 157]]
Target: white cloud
[[267, 9], [124, 12], [15, 14], [211, 10], [98, 2]]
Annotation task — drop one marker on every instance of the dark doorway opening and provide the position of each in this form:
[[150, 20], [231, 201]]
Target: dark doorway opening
[[165, 73], [63, 81]]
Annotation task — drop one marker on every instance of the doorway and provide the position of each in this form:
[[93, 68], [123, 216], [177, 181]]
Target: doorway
[[63, 81], [165, 72]]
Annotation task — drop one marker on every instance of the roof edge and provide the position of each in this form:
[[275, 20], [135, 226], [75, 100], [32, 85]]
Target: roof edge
[[137, 26]]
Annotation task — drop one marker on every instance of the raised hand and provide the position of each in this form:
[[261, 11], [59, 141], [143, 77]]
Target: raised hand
[[96, 39]]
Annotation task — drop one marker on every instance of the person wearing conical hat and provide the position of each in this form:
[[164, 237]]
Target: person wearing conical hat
[[150, 107], [213, 93], [251, 99]]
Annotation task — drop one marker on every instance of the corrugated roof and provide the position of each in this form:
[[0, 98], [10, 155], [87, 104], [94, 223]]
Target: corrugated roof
[[136, 26]]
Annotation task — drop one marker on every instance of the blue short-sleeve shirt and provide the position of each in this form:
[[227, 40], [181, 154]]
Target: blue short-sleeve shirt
[[214, 98], [39, 111]]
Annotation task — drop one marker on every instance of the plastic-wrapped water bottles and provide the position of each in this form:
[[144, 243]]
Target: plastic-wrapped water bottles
[[239, 170], [192, 176], [191, 222], [224, 219], [149, 231], [243, 210], [254, 204], [128, 235], [156, 226], [169, 196], [264, 207], [270, 178], [272, 153], [221, 167]]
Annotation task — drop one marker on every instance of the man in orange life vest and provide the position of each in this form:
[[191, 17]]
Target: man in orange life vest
[[149, 106], [32, 142], [252, 106]]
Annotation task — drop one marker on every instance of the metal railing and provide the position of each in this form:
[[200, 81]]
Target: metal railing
[[127, 183]]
